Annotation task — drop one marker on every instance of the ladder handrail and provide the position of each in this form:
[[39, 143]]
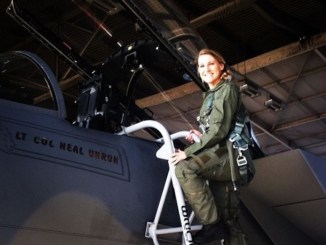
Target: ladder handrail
[[151, 230], [181, 134]]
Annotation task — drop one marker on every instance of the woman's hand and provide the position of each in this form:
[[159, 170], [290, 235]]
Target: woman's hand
[[177, 157], [192, 132]]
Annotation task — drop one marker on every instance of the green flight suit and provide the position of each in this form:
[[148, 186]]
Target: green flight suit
[[209, 158]]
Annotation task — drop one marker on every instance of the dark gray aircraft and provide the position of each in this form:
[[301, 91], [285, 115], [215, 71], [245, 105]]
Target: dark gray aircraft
[[95, 181], [88, 182]]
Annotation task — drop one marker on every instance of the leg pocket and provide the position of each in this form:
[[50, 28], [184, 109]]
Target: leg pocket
[[217, 169]]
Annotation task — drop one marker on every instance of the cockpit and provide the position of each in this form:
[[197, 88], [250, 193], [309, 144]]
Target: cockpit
[[107, 98], [22, 80]]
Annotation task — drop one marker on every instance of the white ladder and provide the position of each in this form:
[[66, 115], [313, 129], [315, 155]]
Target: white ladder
[[165, 152]]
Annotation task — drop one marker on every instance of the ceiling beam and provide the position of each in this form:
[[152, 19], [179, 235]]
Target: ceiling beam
[[223, 11], [281, 54], [244, 67], [304, 99], [296, 123], [265, 131], [286, 22], [300, 122], [168, 95]]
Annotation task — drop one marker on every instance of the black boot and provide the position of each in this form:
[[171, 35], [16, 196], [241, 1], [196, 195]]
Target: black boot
[[208, 233]]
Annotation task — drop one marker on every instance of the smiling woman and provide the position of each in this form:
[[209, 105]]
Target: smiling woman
[[276, 47], [211, 67], [211, 160]]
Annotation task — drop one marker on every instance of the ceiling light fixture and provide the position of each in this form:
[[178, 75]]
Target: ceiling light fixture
[[274, 104], [250, 90]]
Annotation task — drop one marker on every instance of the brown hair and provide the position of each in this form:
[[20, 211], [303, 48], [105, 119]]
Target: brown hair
[[227, 74]]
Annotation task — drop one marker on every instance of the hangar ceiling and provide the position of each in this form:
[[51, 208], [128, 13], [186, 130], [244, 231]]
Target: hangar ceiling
[[275, 47]]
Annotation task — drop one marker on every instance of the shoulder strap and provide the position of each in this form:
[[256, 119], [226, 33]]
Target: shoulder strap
[[240, 124], [210, 103]]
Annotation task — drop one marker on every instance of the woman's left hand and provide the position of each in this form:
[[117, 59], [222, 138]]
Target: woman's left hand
[[193, 133], [177, 157]]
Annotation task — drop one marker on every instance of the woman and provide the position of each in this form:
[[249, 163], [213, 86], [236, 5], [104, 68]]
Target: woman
[[209, 158]]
